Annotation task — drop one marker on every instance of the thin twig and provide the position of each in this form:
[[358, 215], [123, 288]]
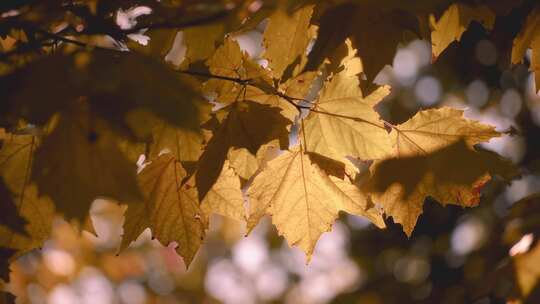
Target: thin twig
[[206, 75]]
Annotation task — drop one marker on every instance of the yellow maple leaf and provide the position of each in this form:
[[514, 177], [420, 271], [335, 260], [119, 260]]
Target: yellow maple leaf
[[225, 197], [343, 123], [16, 158], [230, 61], [529, 37], [302, 200], [297, 88], [171, 209], [434, 156], [200, 41], [433, 129], [453, 23], [286, 38]]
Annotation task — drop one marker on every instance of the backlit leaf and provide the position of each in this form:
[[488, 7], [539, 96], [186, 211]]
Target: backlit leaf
[[286, 39], [453, 23], [343, 123], [171, 210], [529, 37]]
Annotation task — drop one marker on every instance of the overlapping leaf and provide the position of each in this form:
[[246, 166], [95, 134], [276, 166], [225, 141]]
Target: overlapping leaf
[[171, 209], [89, 165], [454, 22], [344, 123], [225, 197], [428, 150], [286, 39], [302, 200], [375, 32], [16, 158], [245, 124], [50, 84], [529, 37]]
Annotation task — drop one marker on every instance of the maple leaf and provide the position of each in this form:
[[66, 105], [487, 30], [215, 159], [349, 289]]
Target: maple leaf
[[296, 87], [246, 164], [185, 145], [402, 184], [453, 23], [230, 61], [47, 86], [247, 125], [433, 129], [343, 123], [171, 209], [301, 199], [201, 41], [90, 165], [428, 148], [225, 197], [375, 32], [286, 38], [527, 38], [16, 157], [10, 217]]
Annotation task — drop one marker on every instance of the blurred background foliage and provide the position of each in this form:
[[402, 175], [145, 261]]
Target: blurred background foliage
[[488, 254]]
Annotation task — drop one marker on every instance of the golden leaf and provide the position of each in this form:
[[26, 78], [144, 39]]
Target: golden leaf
[[171, 210], [529, 37], [16, 158], [433, 129], [302, 200], [434, 157], [286, 39], [225, 197], [343, 123], [454, 22]]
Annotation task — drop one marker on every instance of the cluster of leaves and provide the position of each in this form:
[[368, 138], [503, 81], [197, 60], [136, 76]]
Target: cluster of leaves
[[81, 101]]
